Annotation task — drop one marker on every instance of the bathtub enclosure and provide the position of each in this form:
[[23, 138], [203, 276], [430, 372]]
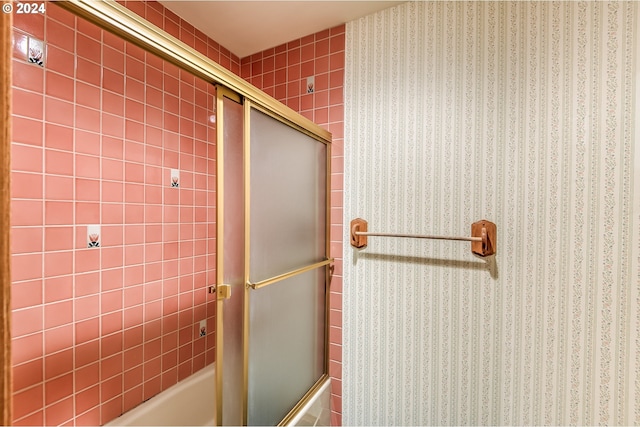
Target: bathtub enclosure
[[260, 266], [190, 403]]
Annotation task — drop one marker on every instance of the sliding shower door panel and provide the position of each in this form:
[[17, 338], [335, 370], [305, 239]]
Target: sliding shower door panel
[[288, 220], [286, 343], [288, 186], [231, 256]]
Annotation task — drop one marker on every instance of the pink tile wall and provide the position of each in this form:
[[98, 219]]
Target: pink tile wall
[[96, 132], [162, 17], [283, 73]]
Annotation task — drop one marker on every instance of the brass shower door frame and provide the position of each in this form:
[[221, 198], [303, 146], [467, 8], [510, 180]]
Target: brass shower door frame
[[247, 106], [117, 19], [326, 263]]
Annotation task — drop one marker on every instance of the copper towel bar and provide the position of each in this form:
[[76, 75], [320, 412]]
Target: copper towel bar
[[483, 236]]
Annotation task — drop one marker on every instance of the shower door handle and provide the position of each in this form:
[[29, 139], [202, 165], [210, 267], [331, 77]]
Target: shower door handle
[[224, 291]]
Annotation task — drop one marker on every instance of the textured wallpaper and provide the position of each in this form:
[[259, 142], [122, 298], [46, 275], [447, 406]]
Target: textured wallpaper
[[521, 113]]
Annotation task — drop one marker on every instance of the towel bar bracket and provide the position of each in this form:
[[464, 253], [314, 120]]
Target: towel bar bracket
[[358, 226], [483, 236]]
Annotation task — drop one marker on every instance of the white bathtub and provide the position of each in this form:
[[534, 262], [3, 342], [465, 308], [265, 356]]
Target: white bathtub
[[191, 402], [317, 411]]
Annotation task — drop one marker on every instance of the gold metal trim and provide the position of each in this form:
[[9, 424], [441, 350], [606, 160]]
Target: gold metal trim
[[291, 124], [247, 256], [302, 402], [288, 275], [223, 292], [228, 93], [328, 272], [117, 19], [219, 250]]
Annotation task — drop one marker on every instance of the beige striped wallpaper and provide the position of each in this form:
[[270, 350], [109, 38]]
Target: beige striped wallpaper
[[521, 113]]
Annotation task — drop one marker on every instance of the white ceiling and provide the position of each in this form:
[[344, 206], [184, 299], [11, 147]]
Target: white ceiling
[[248, 27]]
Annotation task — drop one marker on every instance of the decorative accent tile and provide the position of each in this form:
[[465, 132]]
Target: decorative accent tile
[[175, 178], [203, 327], [36, 51], [311, 80], [93, 236]]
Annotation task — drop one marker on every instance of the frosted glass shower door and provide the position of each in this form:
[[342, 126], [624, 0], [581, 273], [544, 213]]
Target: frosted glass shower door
[[287, 267], [230, 260]]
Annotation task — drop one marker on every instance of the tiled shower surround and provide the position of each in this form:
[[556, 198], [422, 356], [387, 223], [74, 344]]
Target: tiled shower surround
[[284, 72], [100, 131], [97, 131]]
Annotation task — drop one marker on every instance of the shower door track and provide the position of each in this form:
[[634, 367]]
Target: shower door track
[[115, 18]]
